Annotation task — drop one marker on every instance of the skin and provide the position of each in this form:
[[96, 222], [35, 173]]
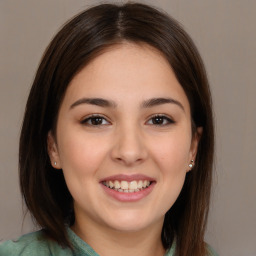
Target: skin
[[126, 142]]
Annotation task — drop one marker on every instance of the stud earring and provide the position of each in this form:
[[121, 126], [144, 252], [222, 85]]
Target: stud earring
[[55, 163], [191, 163]]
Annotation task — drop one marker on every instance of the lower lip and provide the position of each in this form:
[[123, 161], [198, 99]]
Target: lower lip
[[128, 197]]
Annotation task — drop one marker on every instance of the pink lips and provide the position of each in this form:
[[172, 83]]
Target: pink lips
[[128, 197]]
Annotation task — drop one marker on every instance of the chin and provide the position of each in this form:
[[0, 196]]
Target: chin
[[129, 227], [131, 222]]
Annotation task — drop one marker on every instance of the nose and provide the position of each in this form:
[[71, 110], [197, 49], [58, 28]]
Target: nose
[[129, 147]]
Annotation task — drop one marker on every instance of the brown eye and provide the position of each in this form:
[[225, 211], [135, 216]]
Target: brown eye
[[95, 121], [160, 120]]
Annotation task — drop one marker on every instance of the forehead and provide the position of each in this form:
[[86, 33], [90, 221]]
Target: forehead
[[134, 70]]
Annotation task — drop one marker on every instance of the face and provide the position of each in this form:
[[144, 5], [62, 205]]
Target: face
[[123, 139]]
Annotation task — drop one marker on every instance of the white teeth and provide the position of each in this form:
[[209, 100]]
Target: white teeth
[[124, 184], [116, 184], [140, 184], [111, 184], [127, 187], [133, 185], [145, 183]]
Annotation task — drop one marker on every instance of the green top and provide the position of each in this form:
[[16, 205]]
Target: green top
[[34, 244]]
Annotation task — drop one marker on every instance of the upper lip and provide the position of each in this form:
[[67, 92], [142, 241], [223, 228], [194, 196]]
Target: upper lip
[[129, 178]]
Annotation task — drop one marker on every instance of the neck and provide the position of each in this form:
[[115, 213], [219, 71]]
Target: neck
[[106, 241]]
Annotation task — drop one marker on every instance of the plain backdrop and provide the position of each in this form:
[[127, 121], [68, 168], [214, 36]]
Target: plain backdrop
[[223, 30]]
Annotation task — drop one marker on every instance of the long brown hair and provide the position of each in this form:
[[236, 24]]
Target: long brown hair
[[79, 41]]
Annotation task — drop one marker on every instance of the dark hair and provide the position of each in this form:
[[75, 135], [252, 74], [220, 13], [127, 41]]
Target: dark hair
[[83, 38]]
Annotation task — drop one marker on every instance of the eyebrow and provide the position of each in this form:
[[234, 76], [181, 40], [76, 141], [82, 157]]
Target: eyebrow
[[95, 101], [159, 101], [111, 104]]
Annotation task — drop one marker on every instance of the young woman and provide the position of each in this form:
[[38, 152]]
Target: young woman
[[116, 147]]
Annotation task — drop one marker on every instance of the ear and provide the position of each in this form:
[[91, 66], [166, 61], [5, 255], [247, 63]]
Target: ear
[[53, 151], [194, 145]]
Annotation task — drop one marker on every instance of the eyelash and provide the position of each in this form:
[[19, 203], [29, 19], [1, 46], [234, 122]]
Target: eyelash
[[165, 118], [94, 117], [90, 118]]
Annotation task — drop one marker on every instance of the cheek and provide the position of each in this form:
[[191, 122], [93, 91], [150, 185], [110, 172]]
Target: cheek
[[80, 155], [171, 157], [172, 153], [172, 165]]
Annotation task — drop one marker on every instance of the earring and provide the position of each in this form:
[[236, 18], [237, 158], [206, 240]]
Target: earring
[[191, 163], [55, 163]]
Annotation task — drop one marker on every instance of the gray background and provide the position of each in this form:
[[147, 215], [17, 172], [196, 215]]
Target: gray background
[[224, 31]]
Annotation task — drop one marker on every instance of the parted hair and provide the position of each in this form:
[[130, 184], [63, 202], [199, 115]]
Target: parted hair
[[79, 41]]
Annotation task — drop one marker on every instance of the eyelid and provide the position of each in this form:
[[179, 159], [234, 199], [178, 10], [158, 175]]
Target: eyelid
[[86, 118], [164, 116]]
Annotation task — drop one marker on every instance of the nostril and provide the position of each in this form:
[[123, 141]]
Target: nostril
[[129, 151], [129, 160]]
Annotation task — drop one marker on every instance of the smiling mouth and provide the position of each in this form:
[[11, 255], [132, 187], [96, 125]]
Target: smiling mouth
[[126, 186]]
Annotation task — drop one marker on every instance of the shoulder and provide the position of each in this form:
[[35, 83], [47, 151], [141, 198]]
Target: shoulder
[[26, 245], [31, 244], [210, 251]]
